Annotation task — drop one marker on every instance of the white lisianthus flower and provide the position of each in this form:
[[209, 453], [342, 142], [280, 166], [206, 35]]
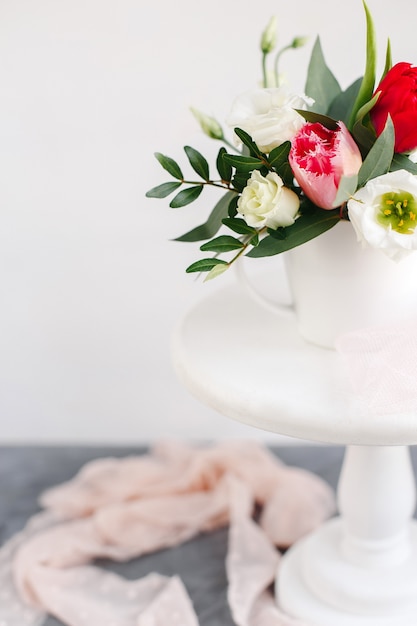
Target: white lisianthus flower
[[265, 201], [268, 115], [384, 213]]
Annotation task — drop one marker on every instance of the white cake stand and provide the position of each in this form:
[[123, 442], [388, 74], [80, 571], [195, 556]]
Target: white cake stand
[[359, 569]]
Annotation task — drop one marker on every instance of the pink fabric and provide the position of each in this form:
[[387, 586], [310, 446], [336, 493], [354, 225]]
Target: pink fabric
[[122, 508], [382, 367]]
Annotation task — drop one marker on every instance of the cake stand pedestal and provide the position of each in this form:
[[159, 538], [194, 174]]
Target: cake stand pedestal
[[359, 569]]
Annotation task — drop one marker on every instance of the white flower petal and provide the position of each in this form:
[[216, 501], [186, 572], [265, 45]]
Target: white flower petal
[[268, 115], [364, 209]]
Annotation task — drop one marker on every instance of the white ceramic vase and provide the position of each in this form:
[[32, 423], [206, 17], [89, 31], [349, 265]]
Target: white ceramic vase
[[338, 286]]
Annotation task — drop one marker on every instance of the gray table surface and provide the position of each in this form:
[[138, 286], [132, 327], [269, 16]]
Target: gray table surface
[[25, 471]]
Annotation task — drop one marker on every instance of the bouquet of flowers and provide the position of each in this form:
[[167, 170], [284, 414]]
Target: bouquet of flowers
[[303, 162]]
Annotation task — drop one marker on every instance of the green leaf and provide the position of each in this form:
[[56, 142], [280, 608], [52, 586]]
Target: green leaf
[[279, 155], [379, 158], [388, 61], [306, 227], [341, 107], [346, 189], [248, 142], [402, 162], [186, 196], [204, 265], [278, 233], [169, 165], [364, 110], [224, 243], [162, 191], [224, 169], [325, 120], [239, 226], [216, 271], [321, 84], [244, 163], [197, 162], [240, 180], [364, 137], [213, 223], [278, 160], [368, 82], [232, 208], [286, 174]]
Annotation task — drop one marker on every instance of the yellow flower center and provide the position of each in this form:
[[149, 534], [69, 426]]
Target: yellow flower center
[[398, 210]]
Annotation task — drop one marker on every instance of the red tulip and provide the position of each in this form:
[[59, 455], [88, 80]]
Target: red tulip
[[398, 98], [319, 157]]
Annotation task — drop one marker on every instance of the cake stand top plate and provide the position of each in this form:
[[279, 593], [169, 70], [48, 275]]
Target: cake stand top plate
[[251, 365]]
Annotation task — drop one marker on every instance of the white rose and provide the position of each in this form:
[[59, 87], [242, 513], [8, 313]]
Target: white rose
[[268, 115], [266, 202], [384, 213]]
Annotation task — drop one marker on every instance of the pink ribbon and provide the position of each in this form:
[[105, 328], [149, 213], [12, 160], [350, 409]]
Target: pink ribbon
[[122, 508]]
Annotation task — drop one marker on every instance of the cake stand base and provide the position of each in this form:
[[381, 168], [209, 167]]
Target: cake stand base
[[359, 569], [316, 585]]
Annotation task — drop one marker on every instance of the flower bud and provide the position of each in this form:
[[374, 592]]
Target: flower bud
[[209, 125], [269, 36], [299, 42]]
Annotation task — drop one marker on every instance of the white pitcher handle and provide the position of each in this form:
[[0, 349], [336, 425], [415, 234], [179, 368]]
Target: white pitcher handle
[[272, 305]]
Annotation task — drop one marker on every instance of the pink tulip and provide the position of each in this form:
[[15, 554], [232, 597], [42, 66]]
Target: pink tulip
[[319, 157]]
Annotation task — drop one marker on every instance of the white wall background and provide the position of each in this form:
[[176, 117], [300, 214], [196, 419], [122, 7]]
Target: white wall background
[[90, 283]]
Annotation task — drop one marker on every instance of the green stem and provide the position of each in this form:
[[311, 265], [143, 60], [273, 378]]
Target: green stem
[[230, 145], [213, 183], [277, 58], [245, 246], [264, 72]]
